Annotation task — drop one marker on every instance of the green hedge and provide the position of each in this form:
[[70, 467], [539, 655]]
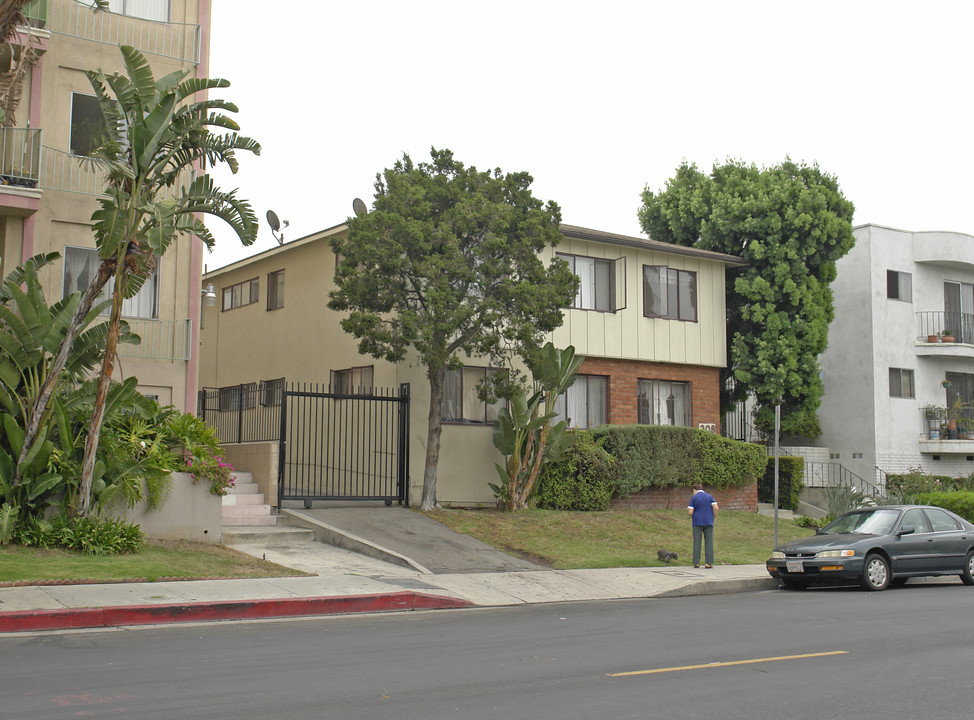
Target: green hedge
[[581, 479], [791, 476], [961, 503], [907, 485], [663, 456]]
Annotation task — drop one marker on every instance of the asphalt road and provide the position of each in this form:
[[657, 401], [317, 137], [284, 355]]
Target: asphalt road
[[904, 653]]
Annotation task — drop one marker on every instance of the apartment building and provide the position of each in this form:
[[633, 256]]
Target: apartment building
[[47, 195], [899, 368], [649, 320]]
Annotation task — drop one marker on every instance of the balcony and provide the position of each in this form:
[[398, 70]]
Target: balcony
[[939, 438], [945, 334], [161, 339], [20, 150], [179, 41]]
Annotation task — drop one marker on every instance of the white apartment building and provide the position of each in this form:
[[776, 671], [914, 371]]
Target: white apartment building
[[889, 358]]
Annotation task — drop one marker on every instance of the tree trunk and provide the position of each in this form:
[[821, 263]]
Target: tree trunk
[[40, 407], [433, 439], [104, 381]]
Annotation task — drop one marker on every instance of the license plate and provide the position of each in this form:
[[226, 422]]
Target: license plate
[[795, 566]]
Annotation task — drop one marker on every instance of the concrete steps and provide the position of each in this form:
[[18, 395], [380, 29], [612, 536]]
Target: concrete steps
[[241, 534], [768, 509], [245, 506]]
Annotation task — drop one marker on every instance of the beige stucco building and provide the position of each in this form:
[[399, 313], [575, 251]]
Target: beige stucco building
[[47, 195], [649, 320]]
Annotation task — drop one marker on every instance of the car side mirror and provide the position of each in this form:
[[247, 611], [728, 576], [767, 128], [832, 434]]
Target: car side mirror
[[907, 530]]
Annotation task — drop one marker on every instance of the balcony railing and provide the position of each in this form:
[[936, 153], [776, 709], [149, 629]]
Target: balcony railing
[[63, 171], [20, 157], [161, 339], [933, 324], [77, 19]]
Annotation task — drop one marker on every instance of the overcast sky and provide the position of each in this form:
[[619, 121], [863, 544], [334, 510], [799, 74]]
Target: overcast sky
[[598, 100]]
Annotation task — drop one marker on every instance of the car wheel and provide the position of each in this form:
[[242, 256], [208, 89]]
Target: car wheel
[[875, 572], [967, 577], [789, 584]]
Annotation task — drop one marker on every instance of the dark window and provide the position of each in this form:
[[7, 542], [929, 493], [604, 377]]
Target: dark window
[[668, 293], [237, 397], [352, 381], [241, 294], [899, 286], [87, 124], [461, 401], [275, 290], [663, 402], [901, 383], [270, 391], [585, 404]]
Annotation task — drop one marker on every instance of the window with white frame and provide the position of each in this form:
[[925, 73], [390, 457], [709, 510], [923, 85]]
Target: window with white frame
[[461, 401], [901, 383], [586, 403], [664, 402], [157, 10], [669, 293], [275, 290], [352, 381], [243, 293], [80, 268], [899, 286]]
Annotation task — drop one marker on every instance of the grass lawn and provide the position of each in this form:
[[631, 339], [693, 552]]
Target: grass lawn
[[158, 559], [619, 538]]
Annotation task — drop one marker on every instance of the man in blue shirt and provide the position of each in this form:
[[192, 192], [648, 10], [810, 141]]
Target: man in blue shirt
[[702, 509]]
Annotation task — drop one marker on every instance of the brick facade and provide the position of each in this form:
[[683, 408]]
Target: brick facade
[[624, 377], [734, 498]]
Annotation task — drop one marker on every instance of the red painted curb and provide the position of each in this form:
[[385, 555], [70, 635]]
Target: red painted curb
[[29, 620]]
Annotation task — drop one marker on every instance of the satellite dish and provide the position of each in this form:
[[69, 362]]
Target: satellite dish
[[359, 207], [273, 221], [275, 224]]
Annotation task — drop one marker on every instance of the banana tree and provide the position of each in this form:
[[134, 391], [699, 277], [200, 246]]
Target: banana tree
[[156, 137], [523, 432]]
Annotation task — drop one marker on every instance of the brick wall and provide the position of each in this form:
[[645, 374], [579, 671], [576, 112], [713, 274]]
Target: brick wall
[[624, 377], [735, 498]]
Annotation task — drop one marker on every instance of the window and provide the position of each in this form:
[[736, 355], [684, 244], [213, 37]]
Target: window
[[596, 282], [241, 294], [941, 521], [275, 290], [271, 391], [461, 404], [959, 310], [87, 124], [353, 381], [585, 404], [901, 383], [662, 402], [157, 10], [899, 286], [238, 397], [669, 294], [80, 268], [915, 518]]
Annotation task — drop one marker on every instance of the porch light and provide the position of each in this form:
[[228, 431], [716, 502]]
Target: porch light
[[209, 296]]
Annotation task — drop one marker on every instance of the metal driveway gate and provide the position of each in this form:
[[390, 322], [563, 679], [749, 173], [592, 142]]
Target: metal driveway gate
[[340, 446]]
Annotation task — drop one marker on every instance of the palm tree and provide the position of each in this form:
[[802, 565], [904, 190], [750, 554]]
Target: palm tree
[[156, 139]]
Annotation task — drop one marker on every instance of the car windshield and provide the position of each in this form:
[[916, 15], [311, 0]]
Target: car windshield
[[869, 522]]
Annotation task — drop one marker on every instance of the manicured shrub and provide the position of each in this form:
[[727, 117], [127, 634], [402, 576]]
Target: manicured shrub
[[581, 479], [791, 479], [661, 456]]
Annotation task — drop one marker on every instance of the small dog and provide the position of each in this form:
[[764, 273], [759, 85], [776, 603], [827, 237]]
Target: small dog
[[666, 555]]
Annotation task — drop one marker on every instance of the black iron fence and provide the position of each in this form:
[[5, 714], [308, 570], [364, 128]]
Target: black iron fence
[[248, 412], [347, 445]]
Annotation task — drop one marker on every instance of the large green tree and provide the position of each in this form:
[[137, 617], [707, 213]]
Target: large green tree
[[791, 223], [158, 137], [448, 264]]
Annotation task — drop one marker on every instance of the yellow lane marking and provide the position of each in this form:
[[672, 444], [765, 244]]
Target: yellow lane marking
[[726, 664]]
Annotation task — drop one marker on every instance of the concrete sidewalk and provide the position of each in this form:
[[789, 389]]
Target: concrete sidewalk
[[370, 578]]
